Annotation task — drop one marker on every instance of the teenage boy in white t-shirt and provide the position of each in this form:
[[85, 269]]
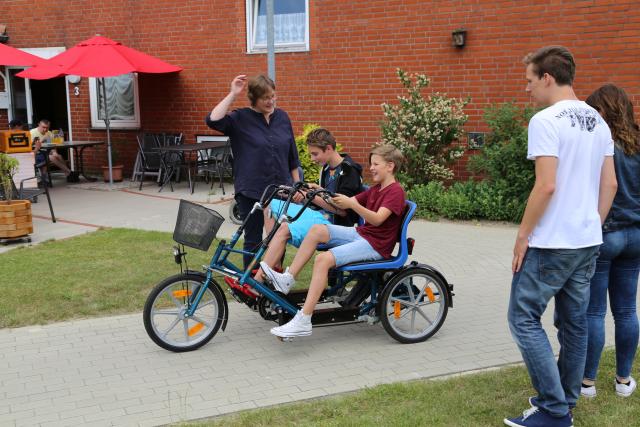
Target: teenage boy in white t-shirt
[[557, 243]]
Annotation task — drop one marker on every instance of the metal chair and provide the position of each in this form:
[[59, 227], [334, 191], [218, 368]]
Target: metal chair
[[31, 194], [149, 161], [220, 164]]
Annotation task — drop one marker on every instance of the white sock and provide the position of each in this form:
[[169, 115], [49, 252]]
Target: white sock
[[306, 317]]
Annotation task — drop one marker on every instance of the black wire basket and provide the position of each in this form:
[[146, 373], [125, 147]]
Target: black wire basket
[[196, 225]]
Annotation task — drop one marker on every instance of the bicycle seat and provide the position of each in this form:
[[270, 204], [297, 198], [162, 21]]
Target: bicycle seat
[[394, 262]]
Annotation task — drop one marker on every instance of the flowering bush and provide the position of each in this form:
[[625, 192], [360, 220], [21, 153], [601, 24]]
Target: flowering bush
[[424, 129], [309, 168]]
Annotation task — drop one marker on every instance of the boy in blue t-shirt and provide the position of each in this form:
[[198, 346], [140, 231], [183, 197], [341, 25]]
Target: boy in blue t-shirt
[[340, 174]]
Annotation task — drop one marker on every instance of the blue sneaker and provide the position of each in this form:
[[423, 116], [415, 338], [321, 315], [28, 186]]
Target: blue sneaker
[[534, 417]]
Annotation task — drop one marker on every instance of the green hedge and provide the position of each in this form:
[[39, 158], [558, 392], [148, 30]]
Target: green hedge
[[503, 175]]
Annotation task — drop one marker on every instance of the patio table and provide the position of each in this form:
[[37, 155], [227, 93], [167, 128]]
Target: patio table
[[78, 153], [187, 150]]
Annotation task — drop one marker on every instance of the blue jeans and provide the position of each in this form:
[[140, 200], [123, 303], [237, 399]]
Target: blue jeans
[[616, 272], [563, 274], [348, 246]]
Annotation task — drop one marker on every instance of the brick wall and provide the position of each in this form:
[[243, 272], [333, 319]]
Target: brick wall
[[350, 69]]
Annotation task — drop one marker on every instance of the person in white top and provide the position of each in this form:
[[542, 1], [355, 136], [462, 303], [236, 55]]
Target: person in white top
[[40, 135], [557, 243]]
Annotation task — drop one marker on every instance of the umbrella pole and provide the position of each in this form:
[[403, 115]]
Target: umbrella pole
[[106, 124]]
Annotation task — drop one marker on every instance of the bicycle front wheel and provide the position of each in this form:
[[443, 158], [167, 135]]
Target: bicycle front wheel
[[165, 311]]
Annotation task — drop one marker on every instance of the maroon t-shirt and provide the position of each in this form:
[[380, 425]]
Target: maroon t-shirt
[[383, 238]]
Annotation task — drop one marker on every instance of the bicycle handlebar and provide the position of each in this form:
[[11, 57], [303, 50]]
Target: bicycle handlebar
[[272, 190]]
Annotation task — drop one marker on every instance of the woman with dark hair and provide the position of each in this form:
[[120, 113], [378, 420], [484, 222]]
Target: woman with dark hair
[[619, 260], [263, 145]]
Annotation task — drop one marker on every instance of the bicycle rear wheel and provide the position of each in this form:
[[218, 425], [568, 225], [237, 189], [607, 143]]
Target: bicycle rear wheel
[[414, 305], [165, 308]]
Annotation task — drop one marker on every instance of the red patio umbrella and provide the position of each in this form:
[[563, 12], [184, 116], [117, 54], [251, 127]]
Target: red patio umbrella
[[12, 56], [99, 57]]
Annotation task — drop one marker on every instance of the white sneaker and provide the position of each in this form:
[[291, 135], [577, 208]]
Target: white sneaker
[[299, 326], [283, 282], [588, 392], [625, 390]]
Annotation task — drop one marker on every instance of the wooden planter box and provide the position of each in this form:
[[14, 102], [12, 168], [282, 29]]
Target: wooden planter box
[[15, 219]]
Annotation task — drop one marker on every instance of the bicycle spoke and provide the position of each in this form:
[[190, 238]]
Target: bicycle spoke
[[205, 304], [173, 325], [175, 300], [165, 312], [402, 301], [185, 323], [198, 319], [424, 315], [410, 289]]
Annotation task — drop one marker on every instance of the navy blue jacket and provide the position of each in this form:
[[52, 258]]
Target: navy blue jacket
[[625, 210], [263, 153]]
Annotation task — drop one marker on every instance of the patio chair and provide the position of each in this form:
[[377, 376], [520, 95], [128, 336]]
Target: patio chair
[[217, 163], [149, 161]]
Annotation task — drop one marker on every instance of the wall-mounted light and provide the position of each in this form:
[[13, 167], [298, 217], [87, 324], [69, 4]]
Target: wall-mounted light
[[73, 79], [475, 140], [459, 37]]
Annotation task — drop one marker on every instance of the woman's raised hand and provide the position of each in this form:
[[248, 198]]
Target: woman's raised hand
[[238, 84]]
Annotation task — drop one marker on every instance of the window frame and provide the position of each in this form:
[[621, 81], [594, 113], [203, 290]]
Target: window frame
[[97, 123], [251, 13]]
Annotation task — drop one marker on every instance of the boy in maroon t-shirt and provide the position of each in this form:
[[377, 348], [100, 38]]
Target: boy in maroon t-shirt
[[381, 207]]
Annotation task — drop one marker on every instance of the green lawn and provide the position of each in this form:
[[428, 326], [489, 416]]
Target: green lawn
[[97, 274], [472, 400]]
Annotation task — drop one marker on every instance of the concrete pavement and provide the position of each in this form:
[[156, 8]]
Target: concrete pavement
[[106, 371]]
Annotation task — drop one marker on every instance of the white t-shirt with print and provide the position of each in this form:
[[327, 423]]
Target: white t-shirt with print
[[575, 133]]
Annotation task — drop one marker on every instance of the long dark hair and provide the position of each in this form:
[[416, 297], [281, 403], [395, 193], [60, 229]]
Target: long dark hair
[[617, 110]]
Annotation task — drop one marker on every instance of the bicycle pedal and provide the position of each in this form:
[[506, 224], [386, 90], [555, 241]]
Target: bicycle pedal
[[285, 339]]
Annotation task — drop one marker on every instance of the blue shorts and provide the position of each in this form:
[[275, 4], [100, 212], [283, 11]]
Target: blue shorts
[[348, 246], [300, 227], [40, 158]]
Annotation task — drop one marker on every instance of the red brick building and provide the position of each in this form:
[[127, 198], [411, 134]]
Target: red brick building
[[339, 61]]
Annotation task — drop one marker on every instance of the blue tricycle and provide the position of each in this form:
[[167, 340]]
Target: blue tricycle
[[185, 311]]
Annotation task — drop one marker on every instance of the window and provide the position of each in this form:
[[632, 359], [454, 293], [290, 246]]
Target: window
[[122, 102], [290, 22]]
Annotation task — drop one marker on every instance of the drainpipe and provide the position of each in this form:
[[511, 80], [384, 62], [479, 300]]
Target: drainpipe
[[271, 56]]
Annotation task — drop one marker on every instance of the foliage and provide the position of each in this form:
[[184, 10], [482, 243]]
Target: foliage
[[424, 129], [8, 168], [310, 169], [503, 160], [507, 176]]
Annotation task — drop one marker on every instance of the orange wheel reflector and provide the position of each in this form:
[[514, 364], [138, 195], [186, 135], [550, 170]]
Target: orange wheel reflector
[[195, 329], [430, 295], [396, 309], [181, 293]]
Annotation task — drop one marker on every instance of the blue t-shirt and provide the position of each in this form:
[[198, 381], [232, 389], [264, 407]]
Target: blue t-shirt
[[263, 153]]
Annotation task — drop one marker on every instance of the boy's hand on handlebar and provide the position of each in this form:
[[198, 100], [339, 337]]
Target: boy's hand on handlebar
[[313, 185], [342, 201], [298, 197]]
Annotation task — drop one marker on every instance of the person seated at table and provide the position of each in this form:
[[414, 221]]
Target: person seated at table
[[340, 174], [42, 135]]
